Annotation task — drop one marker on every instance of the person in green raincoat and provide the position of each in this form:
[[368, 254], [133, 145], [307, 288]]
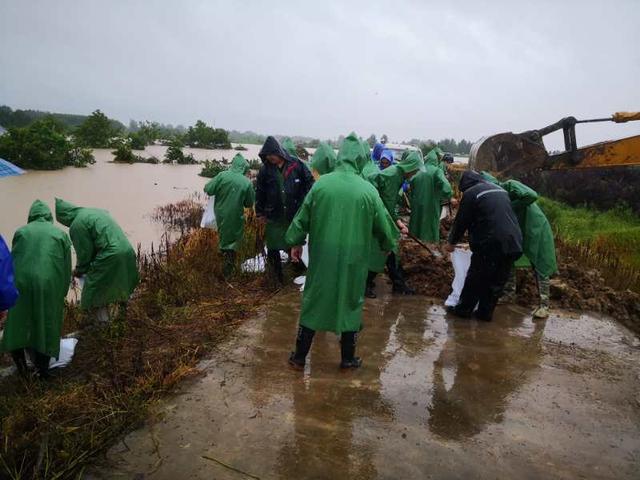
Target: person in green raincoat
[[42, 260], [342, 213], [427, 190], [323, 160], [104, 256], [233, 193], [370, 166], [434, 157], [388, 183], [538, 247]]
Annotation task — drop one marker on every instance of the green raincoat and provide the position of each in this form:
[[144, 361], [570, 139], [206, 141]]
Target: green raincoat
[[429, 188], [538, 242], [369, 168], [434, 157], [323, 160], [290, 147], [388, 183], [342, 213], [104, 255], [42, 260], [233, 193]]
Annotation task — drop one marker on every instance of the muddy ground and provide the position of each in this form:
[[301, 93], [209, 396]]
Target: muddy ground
[[575, 287], [436, 398]]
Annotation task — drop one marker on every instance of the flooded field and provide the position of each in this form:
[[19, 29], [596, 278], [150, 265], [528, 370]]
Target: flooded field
[[436, 398]]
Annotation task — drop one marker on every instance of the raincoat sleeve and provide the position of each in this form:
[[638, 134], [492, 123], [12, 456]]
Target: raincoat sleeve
[[297, 231], [388, 195], [212, 185], [521, 196], [462, 221], [83, 245], [249, 196], [261, 191], [443, 185], [384, 228], [8, 291], [67, 262]]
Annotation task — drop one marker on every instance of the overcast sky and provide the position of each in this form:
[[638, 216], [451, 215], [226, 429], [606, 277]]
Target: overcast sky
[[405, 68]]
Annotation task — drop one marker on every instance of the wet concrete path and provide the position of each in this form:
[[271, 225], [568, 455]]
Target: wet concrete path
[[436, 398]]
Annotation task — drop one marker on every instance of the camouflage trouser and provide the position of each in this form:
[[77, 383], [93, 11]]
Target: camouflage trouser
[[541, 280]]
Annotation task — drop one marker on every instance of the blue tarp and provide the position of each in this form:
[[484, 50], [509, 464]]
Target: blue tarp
[[8, 169]]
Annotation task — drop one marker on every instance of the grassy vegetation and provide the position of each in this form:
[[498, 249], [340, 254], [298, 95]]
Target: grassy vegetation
[[616, 231], [180, 311]]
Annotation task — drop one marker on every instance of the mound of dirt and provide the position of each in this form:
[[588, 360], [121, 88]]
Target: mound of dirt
[[573, 288]]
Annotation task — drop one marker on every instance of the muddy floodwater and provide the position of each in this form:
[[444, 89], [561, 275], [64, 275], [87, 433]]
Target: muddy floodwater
[[436, 398], [129, 192]]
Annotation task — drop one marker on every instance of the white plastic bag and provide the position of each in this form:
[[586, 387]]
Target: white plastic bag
[[67, 349], [209, 216], [461, 259]]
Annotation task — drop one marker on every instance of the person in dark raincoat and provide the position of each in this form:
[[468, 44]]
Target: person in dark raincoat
[[233, 193], [427, 190], [323, 160], [538, 242], [281, 186], [388, 183], [342, 213], [495, 240], [8, 291], [104, 256], [42, 259]]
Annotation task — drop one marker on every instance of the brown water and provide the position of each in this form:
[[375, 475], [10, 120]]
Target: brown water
[[436, 398], [129, 192]]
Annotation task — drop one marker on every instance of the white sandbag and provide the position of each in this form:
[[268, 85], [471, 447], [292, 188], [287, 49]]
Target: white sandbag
[[209, 216], [301, 280], [253, 265], [444, 212], [461, 259], [67, 349]]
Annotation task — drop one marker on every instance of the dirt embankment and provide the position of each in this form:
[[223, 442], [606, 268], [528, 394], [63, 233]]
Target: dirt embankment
[[575, 287]]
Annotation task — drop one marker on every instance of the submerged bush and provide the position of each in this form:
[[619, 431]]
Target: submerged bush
[[212, 168]]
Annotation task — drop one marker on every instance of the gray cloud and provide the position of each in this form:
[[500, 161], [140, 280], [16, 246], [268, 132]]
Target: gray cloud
[[405, 68]]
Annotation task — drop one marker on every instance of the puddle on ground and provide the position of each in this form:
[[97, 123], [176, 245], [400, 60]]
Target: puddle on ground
[[436, 397]]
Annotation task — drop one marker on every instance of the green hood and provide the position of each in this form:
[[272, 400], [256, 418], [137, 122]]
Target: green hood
[[324, 159], [66, 212], [490, 178], [290, 147], [367, 155], [40, 211], [350, 155], [434, 156], [239, 164], [411, 161]]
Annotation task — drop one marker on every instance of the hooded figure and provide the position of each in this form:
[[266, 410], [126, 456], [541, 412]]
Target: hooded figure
[[281, 186], [495, 240], [323, 160], [434, 157], [386, 159], [233, 193], [376, 153], [8, 292], [428, 189], [42, 259], [103, 255], [342, 213], [290, 147], [538, 243], [388, 183], [369, 167]]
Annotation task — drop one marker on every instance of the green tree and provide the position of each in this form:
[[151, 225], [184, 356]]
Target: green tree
[[96, 131], [137, 140], [203, 136], [42, 145]]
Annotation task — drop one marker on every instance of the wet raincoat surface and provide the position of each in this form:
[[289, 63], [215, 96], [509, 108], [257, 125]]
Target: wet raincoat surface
[[323, 160], [538, 244], [428, 189], [104, 255], [388, 182], [233, 193], [376, 153], [434, 157], [8, 291], [290, 147], [42, 260], [342, 213], [369, 167]]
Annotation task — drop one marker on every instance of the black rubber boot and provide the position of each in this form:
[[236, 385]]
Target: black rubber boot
[[348, 342], [458, 312], [370, 290], [304, 339], [41, 362], [397, 276], [274, 265], [21, 361], [228, 263]]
